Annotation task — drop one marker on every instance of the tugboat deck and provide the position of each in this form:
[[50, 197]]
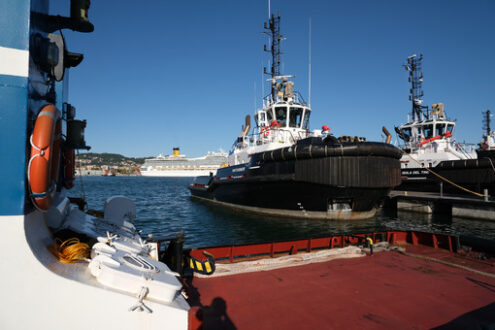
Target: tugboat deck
[[385, 290]]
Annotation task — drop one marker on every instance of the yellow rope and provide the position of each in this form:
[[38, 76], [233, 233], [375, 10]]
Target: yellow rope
[[71, 250], [444, 179]]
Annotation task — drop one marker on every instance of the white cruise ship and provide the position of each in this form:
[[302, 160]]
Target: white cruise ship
[[176, 165]]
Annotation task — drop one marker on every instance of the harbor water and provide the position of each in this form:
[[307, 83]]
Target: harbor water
[[164, 207]]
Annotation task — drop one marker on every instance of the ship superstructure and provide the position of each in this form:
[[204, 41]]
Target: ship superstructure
[[284, 117]]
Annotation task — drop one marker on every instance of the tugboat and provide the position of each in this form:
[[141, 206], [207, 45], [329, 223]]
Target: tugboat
[[283, 169], [433, 160]]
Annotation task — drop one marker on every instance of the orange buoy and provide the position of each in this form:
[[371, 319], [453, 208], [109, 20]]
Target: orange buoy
[[43, 167], [69, 168]]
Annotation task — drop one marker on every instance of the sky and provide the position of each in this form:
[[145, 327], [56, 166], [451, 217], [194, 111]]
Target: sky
[[164, 74]]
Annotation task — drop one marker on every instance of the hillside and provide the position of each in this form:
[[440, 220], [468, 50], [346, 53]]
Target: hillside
[[108, 159]]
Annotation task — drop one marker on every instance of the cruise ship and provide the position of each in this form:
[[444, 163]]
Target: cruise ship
[[179, 165]]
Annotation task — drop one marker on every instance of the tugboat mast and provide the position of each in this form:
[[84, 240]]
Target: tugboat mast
[[486, 122], [273, 32], [416, 79]]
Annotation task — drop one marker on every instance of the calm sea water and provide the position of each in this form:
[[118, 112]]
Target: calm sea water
[[164, 207]]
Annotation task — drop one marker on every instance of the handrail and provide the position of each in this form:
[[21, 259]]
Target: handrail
[[257, 136], [269, 100], [230, 253]]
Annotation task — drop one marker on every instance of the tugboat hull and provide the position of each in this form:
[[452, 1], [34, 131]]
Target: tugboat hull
[[310, 185], [291, 206], [473, 174]]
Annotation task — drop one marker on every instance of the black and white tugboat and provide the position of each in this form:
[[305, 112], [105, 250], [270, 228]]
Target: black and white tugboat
[[283, 169], [430, 147]]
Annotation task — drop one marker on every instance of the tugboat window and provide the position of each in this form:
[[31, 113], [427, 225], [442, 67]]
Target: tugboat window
[[407, 133], [428, 130], [281, 113], [269, 116], [450, 128], [440, 128], [307, 113], [295, 117]]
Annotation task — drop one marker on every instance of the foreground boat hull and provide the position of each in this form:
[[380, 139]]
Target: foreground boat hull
[[60, 283]]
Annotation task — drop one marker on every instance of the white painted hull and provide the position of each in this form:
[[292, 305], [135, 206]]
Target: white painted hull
[[178, 173], [56, 295]]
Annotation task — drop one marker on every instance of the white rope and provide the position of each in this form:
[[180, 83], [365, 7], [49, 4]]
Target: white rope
[[285, 261], [29, 172]]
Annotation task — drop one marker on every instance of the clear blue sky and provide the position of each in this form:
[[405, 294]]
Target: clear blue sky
[[160, 74]]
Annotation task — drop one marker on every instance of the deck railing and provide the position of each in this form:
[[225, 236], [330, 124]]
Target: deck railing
[[238, 252]]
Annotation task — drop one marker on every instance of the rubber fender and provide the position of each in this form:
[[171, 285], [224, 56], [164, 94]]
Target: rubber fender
[[205, 267]]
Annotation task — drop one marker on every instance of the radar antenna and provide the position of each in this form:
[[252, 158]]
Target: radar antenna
[[416, 79], [273, 32]]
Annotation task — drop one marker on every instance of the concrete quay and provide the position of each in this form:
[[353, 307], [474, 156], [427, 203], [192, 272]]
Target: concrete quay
[[436, 203]]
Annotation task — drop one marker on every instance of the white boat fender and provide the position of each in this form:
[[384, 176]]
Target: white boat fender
[[102, 249], [130, 272], [95, 266], [119, 208], [56, 214], [136, 245]]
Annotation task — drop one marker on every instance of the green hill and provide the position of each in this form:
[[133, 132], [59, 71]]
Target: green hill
[[108, 159]]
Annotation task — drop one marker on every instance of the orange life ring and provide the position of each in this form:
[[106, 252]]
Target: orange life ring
[[69, 168], [265, 131], [43, 167]]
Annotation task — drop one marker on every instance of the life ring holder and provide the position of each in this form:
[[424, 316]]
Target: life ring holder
[[265, 131], [44, 161]]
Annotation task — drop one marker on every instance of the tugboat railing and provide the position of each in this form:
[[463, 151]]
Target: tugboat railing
[[269, 99], [280, 134], [465, 149]]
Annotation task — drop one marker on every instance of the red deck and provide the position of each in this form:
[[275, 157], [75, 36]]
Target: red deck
[[386, 290]]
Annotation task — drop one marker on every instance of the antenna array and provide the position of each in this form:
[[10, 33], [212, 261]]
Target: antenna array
[[272, 28], [486, 122], [416, 79]]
